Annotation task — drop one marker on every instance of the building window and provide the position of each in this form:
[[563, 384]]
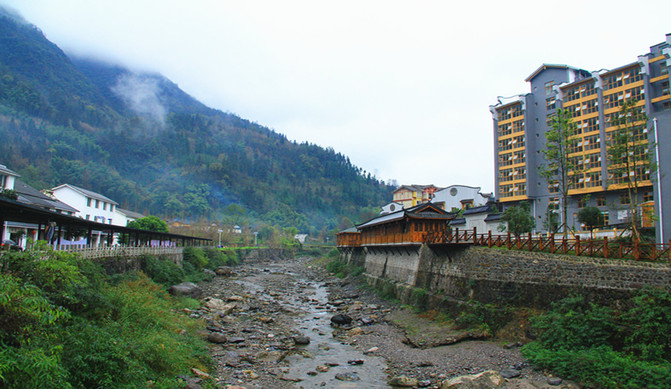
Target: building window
[[647, 196], [104, 206], [88, 217], [97, 203], [88, 201], [624, 198], [605, 218], [582, 202], [548, 87], [550, 103], [601, 201], [111, 207]]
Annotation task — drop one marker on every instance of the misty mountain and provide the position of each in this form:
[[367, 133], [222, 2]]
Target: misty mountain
[[141, 140]]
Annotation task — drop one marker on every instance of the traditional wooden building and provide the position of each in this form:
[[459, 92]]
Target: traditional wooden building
[[405, 227]]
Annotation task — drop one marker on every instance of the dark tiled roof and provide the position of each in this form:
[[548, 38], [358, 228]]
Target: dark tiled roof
[[420, 211], [481, 209], [4, 170], [458, 222], [492, 217], [29, 195]]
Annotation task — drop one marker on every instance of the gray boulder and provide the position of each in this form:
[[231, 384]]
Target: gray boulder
[[488, 379], [188, 289]]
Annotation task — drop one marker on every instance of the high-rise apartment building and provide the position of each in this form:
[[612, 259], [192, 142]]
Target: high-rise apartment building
[[593, 99]]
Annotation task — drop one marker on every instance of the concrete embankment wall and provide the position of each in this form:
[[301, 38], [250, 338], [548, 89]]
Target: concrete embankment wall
[[503, 276]]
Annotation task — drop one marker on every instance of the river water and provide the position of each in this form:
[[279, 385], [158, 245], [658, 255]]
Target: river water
[[327, 361]]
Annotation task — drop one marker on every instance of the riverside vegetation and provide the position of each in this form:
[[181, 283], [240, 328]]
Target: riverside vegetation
[[617, 346], [65, 323]]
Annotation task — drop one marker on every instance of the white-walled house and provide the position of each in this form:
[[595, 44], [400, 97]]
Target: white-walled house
[[125, 216], [7, 178], [461, 197], [484, 218], [91, 205], [391, 207]]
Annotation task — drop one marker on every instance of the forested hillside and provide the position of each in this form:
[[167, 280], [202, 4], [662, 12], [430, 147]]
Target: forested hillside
[[139, 139]]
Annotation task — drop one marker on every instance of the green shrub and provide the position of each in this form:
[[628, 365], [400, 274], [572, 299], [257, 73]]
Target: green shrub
[[419, 298], [486, 316], [32, 367], [386, 289], [574, 324], [195, 256], [337, 267], [64, 324], [24, 312], [162, 271], [603, 347], [649, 316], [600, 367], [341, 269]]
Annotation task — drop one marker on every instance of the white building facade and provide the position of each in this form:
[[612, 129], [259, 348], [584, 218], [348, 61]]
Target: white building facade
[[91, 205], [460, 197]]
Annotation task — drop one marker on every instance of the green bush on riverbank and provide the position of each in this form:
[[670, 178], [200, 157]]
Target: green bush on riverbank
[[606, 347], [64, 323]]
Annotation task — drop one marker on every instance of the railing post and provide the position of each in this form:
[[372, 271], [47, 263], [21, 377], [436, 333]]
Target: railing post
[[564, 244], [529, 242], [553, 248], [475, 235], [457, 235], [637, 254], [509, 243], [605, 247], [577, 245], [489, 239]]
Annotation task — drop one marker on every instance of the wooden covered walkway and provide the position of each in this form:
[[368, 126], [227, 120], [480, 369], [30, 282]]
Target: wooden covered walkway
[[52, 226]]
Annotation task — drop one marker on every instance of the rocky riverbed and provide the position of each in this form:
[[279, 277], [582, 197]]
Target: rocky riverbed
[[270, 326]]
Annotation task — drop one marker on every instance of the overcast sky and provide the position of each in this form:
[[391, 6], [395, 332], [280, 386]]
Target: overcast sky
[[403, 88]]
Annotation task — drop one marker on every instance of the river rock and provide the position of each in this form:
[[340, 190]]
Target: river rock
[[488, 379], [200, 373], [223, 271], [188, 289], [349, 376], [403, 381], [555, 381], [302, 340], [227, 309], [510, 373], [215, 304], [323, 368], [341, 319], [355, 331], [217, 337]]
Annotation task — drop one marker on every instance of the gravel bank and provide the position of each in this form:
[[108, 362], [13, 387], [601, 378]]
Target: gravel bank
[[260, 318]]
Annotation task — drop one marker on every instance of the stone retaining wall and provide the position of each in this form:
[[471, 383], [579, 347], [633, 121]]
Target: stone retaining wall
[[503, 276], [250, 255]]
